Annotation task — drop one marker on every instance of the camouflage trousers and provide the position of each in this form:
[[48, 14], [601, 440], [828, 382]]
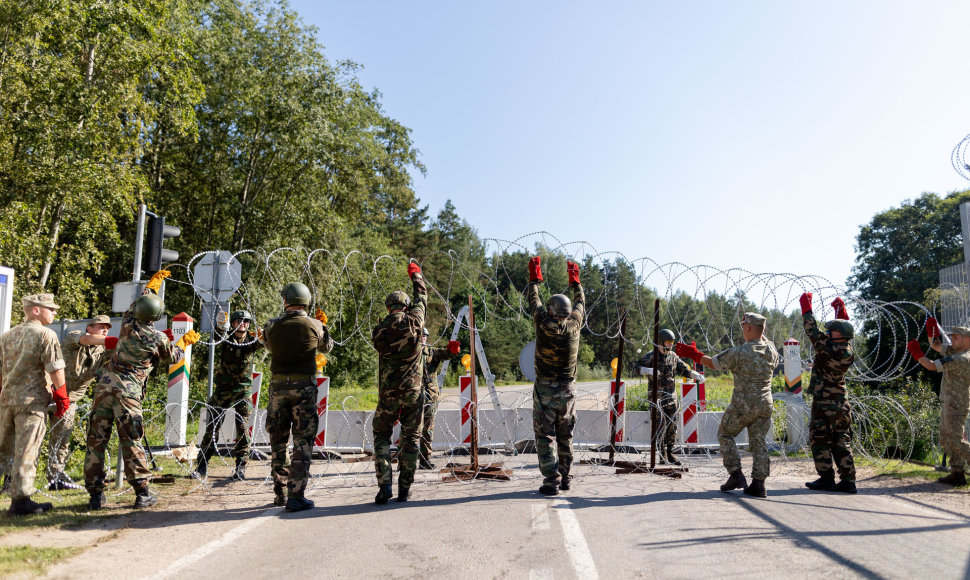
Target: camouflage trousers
[[218, 406], [427, 423], [389, 411], [954, 417], [59, 442], [553, 420], [830, 433], [292, 407], [667, 433], [113, 406], [756, 418], [21, 436]]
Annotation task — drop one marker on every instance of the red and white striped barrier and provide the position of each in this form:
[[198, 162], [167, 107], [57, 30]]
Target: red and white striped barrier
[[465, 397], [690, 403], [254, 398], [617, 416], [323, 406]]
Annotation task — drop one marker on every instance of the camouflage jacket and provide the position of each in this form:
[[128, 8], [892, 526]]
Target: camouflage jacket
[[397, 340], [293, 341], [955, 387], [752, 364], [82, 362], [669, 366], [141, 347], [27, 352], [433, 357], [832, 361], [234, 372], [557, 341]]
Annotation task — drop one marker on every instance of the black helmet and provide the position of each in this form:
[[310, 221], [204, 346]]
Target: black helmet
[[295, 294], [667, 334], [148, 308], [241, 315], [559, 306], [397, 299], [843, 326]]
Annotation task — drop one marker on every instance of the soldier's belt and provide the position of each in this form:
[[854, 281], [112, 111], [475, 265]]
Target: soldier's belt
[[291, 378]]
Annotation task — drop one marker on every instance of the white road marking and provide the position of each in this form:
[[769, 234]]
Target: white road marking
[[541, 574], [576, 545], [540, 516]]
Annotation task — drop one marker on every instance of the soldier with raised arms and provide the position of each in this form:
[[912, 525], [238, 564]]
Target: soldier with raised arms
[[557, 325], [397, 340], [751, 404], [27, 352], [293, 341], [119, 391]]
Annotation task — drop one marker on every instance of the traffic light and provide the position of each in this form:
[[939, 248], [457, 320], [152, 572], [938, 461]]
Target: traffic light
[[158, 232]]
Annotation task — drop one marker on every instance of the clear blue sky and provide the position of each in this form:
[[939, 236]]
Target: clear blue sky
[[758, 135]]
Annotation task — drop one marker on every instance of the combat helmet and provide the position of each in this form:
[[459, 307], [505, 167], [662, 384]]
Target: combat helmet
[[843, 326], [241, 315], [667, 334], [147, 308], [295, 294], [424, 332], [396, 300], [559, 306]]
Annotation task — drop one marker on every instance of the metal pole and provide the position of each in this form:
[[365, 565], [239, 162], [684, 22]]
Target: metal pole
[[653, 388], [473, 386], [212, 321], [140, 233], [615, 402]]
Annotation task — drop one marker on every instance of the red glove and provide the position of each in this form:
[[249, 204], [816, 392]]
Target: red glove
[[61, 400], [572, 269], [914, 349], [840, 312], [932, 328], [110, 342], [806, 302], [454, 347], [413, 269], [535, 270], [168, 332], [689, 350]]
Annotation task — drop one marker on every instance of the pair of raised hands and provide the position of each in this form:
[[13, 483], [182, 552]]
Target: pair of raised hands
[[932, 331], [535, 270], [805, 301]]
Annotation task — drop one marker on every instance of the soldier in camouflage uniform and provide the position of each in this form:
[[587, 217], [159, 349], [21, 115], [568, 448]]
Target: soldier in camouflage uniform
[[751, 404], [120, 388], [84, 354], [557, 324], [954, 394], [293, 341], [27, 351], [430, 391], [397, 340], [667, 365], [830, 429], [232, 385]]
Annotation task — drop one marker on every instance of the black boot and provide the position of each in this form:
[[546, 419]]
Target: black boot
[[955, 478], [671, 458], [24, 506], [844, 486], [298, 504], [549, 489], [756, 489], [201, 467], [385, 493], [143, 496], [824, 483], [97, 501], [403, 493], [424, 463], [239, 474], [735, 481], [564, 483]]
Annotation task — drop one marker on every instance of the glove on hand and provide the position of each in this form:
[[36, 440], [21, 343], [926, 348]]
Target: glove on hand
[[413, 269], [646, 371], [168, 332], [572, 269], [454, 347], [932, 328], [840, 312], [689, 350], [914, 349], [535, 269], [188, 339], [61, 400], [110, 342], [806, 302], [155, 283], [322, 316], [697, 376]]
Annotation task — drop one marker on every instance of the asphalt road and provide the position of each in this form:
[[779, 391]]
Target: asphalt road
[[607, 526]]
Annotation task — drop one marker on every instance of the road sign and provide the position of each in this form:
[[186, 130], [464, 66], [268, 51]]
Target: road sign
[[217, 276], [527, 360]]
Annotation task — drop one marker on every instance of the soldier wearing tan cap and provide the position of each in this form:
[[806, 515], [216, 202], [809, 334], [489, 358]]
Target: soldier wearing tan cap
[[27, 352], [84, 353], [752, 364]]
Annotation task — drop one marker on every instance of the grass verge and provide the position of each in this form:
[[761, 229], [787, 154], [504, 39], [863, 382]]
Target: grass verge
[[30, 559]]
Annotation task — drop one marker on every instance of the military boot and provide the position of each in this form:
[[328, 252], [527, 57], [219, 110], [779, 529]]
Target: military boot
[[756, 489], [735, 481], [403, 493], [201, 468], [671, 458], [425, 463], [280, 498], [844, 486], [24, 506], [955, 478], [385, 493], [549, 489], [298, 504], [97, 501], [565, 482], [239, 473], [824, 483], [143, 495]]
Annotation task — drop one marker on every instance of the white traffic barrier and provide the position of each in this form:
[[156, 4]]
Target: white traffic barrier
[[619, 395], [323, 400], [689, 420], [177, 404]]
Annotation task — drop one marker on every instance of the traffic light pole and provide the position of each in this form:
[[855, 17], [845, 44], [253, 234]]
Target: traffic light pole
[[139, 235]]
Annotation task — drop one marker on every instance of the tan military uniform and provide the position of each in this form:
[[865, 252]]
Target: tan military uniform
[[27, 352], [954, 406]]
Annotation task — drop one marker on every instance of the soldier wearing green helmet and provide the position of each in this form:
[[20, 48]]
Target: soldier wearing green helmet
[[237, 341]]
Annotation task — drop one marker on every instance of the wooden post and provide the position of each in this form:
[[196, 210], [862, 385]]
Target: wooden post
[[474, 387]]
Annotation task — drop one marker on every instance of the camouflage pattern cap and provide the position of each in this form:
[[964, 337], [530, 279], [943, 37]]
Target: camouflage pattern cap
[[101, 319], [45, 300], [753, 318], [961, 330]]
